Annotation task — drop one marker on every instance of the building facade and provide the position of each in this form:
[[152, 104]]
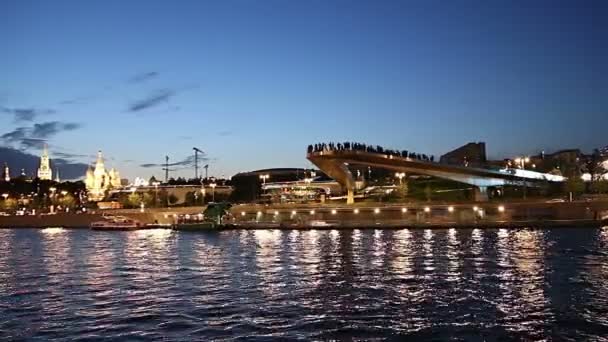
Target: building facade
[[471, 154], [98, 180], [6, 175]]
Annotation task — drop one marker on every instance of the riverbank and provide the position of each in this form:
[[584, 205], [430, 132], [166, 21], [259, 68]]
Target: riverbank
[[377, 215]]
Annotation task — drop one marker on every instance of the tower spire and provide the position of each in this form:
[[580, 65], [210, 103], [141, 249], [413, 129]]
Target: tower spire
[[44, 171]]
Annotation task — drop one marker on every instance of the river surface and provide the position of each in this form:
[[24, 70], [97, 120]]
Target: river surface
[[466, 284]]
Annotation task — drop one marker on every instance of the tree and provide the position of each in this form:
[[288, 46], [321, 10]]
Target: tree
[[9, 204], [67, 201], [593, 165], [173, 199], [133, 200], [428, 192], [600, 186], [148, 199], [575, 185]]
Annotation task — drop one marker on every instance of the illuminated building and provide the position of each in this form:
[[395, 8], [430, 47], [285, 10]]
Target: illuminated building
[[44, 171], [98, 180], [6, 175]]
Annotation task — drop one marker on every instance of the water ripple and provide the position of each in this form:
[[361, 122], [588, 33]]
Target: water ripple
[[312, 285]]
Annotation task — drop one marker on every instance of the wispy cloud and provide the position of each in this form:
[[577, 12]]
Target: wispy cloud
[[224, 133], [188, 161], [26, 114], [36, 136], [67, 155], [18, 159], [152, 100], [16, 135], [29, 143], [143, 77], [47, 129]]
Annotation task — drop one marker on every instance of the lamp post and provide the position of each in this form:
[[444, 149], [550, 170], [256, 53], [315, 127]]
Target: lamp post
[[264, 178], [400, 175], [212, 185], [156, 184], [5, 195], [521, 162]]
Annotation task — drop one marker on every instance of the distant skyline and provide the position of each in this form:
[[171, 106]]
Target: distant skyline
[[254, 83]]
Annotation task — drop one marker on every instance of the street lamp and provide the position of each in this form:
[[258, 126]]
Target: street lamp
[[212, 185], [5, 196], [156, 184], [264, 177], [400, 175], [521, 162]]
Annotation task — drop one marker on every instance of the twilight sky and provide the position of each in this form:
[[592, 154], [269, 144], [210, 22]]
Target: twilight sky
[[254, 82]]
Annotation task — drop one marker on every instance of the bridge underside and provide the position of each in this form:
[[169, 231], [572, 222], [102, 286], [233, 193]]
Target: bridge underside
[[335, 165]]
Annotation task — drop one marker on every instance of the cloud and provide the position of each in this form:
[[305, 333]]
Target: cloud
[[143, 77], [16, 135], [17, 160], [36, 136], [26, 114], [67, 155], [48, 129], [188, 161], [152, 100], [28, 143]]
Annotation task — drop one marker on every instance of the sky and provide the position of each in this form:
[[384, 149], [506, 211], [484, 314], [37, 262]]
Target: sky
[[252, 83]]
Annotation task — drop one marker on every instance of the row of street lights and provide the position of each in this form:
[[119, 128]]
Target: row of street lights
[[376, 211]]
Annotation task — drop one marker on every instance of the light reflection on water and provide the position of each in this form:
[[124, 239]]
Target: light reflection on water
[[312, 284]]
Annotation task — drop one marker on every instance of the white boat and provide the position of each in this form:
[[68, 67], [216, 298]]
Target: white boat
[[116, 223]]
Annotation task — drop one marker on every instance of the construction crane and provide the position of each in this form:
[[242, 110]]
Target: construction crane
[[167, 169], [196, 152]]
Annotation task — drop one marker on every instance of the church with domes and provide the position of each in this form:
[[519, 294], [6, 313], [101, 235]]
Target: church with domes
[[98, 180]]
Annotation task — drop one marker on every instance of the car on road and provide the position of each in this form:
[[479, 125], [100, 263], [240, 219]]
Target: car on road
[[556, 200]]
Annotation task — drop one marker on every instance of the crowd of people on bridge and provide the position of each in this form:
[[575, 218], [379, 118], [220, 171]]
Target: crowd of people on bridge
[[351, 146]]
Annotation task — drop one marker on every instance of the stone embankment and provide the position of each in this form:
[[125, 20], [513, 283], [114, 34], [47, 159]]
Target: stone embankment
[[378, 215]]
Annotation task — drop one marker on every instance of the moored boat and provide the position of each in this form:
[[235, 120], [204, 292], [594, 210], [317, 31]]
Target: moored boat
[[193, 222], [116, 223], [193, 226]]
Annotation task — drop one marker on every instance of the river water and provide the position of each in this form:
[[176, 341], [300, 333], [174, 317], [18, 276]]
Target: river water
[[466, 284]]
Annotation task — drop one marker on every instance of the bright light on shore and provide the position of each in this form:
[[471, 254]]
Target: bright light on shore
[[451, 209], [293, 212], [377, 211], [501, 208], [404, 210], [333, 211], [356, 211], [475, 208], [242, 213], [427, 209], [312, 212]]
